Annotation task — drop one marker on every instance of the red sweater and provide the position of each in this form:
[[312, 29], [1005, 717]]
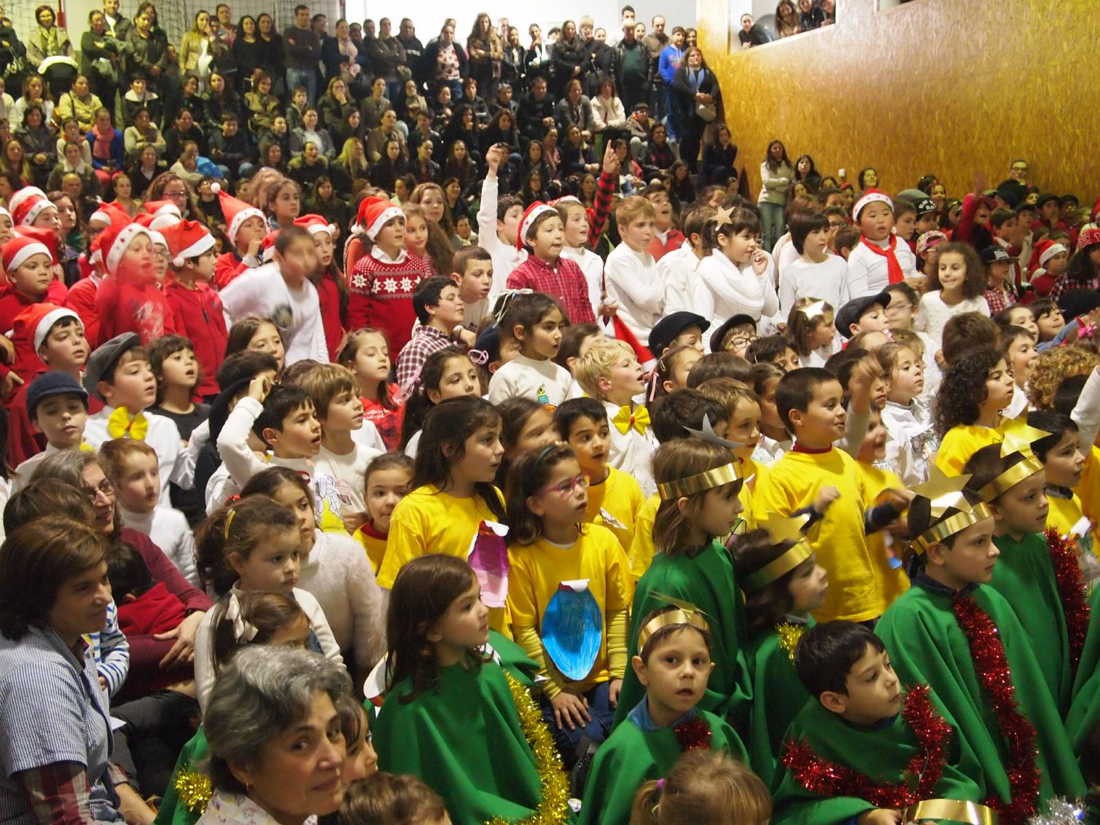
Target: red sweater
[[228, 266], [380, 295], [12, 302], [564, 282], [82, 301], [673, 241], [198, 315], [127, 306], [328, 293]]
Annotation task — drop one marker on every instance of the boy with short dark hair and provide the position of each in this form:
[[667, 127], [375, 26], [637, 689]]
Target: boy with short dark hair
[[863, 314], [666, 236], [880, 258], [440, 311], [861, 722], [57, 406], [473, 271], [816, 273]]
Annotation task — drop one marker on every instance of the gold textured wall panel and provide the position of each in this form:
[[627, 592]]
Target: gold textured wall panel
[[952, 87]]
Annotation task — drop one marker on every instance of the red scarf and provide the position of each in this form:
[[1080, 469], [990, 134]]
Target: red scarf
[[893, 268]]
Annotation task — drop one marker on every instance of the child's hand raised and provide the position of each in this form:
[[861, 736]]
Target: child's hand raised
[[759, 262], [494, 156], [570, 710], [259, 387], [610, 159]]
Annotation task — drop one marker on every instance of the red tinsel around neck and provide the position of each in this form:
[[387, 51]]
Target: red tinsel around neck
[[1071, 587], [991, 667], [918, 781], [692, 734]]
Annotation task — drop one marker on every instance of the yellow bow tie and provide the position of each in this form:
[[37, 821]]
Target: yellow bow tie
[[625, 418], [85, 447], [122, 424]]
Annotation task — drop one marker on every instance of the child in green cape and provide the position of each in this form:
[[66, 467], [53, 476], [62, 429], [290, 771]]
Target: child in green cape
[[698, 483], [452, 717], [673, 664], [1009, 478], [862, 749], [963, 639], [782, 583]]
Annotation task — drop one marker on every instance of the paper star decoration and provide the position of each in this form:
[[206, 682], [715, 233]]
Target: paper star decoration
[[814, 310], [944, 492], [1019, 436], [707, 433], [782, 529], [723, 217]]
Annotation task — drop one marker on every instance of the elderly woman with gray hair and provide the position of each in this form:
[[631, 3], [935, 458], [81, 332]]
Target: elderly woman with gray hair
[[276, 746]]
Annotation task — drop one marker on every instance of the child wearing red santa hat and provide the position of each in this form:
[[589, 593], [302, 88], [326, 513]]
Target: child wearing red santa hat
[[382, 284], [245, 228], [329, 280], [29, 262]]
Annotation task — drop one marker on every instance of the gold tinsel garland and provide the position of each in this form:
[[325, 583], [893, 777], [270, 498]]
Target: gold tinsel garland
[[194, 790], [789, 634], [553, 807]]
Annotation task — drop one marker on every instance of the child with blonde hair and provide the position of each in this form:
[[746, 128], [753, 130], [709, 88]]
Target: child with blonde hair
[[632, 281], [704, 788], [810, 330]]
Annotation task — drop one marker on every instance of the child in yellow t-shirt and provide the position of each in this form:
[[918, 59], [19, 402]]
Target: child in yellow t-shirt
[[568, 593], [613, 496], [386, 480], [976, 386], [452, 495], [810, 403]]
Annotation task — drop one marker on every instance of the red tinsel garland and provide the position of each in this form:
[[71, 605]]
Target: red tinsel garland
[[1071, 587], [692, 734], [991, 666], [921, 775]]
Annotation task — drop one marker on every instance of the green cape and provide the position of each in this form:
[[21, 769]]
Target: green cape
[[707, 581], [464, 739], [928, 646], [172, 811], [1024, 575], [1084, 713], [881, 754], [630, 757], [514, 659], [779, 694]]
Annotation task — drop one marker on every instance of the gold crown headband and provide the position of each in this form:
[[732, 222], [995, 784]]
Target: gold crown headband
[[950, 526], [698, 483], [780, 530], [1011, 477], [684, 614], [971, 813], [945, 493], [1019, 437]]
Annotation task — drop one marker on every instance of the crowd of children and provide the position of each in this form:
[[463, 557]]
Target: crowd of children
[[640, 509]]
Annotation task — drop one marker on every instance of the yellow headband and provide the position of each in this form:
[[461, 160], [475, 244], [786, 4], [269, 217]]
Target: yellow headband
[[950, 526], [1011, 477], [698, 483], [681, 615], [232, 514]]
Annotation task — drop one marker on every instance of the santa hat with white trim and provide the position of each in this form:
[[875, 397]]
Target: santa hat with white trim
[[20, 196], [47, 237], [163, 207], [869, 197], [187, 239], [112, 241], [314, 223], [30, 208], [33, 324], [534, 211], [374, 213], [235, 211], [1048, 249], [19, 249]]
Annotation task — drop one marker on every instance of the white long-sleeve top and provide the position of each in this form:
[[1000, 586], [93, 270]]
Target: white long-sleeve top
[[168, 529], [725, 290], [607, 113], [1086, 413], [634, 283], [933, 314], [296, 312], [339, 575], [868, 272], [591, 265], [163, 436], [911, 441], [803, 278], [679, 269], [204, 642], [505, 256]]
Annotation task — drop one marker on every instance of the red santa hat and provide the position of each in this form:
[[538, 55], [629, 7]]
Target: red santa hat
[[47, 237], [187, 239], [1089, 236], [21, 196], [99, 217], [33, 324], [17, 250], [315, 223], [112, 241], [528, 220], [235, 211], [30, 208], [869, 197], [1047, 249], [374, 213], [162, 207]]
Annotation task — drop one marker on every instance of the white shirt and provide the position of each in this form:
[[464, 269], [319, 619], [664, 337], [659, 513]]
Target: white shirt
[[725, 290], [933, 314], [803, 278], [168, 529], [768, 450], [868, 272], [1018, 405], [635, 285], [296, 312], [679, 270], [163, 436], [911, 441], [632, 451], [523, 377], [349, 470], [591, 266], [505, 256]]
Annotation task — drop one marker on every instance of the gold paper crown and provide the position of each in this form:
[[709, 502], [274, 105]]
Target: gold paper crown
[[781, 530], [684, 613], [698, 483], [946, 493], [1019, 437]]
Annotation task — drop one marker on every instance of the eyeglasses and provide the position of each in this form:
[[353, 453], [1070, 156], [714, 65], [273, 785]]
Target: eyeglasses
[[566, 488], [105, 489]]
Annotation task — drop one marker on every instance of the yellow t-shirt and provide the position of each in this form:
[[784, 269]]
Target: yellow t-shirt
[[961, 442], [642, 548], [753, 473], [892, 580], [619, 496], [855, 579], [1088, 489], [1063, 516], [535, 575], [374, 544]]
